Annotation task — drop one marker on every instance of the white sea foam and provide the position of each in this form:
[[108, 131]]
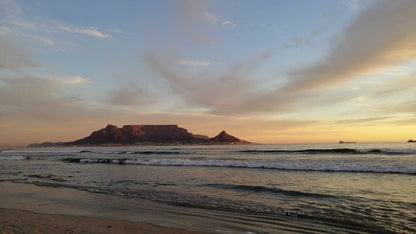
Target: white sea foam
[[11, 158], [285, 165], [329, 166], [86, 160]]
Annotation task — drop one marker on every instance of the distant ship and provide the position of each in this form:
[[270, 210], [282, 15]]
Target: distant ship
[[411, 140], [347, 142]]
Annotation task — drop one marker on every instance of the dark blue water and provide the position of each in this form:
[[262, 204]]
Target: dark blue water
[[368, 185]]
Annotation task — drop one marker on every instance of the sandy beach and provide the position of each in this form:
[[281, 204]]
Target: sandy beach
[[19, 221], [26, 208]]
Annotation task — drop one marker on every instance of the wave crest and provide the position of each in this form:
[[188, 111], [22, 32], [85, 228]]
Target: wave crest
[[277, 165], [12, 158], [332, 151]]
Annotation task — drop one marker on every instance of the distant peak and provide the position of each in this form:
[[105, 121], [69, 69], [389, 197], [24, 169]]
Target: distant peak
[[225, 137], [223, 132]]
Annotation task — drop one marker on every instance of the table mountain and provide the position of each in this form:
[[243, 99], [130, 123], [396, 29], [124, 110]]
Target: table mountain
[[146, 134]]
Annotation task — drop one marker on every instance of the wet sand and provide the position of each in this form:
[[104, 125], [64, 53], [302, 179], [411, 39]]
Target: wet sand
[[26, 208], [19, 221]]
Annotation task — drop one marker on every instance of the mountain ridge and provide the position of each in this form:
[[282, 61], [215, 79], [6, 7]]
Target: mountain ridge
[[167, 134]]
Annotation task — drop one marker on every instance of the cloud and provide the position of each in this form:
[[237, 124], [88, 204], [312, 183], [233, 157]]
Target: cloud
[[410, 121], [21, 24], [43, 99], [92, 31], [74, 80], [211, 17], [303, 40], [227, 22], [209, 89], [353, 4], [130, 96], [10, 8], [398, 85], [34, 109], [235, 90], [194, 63], [360, 121], [12, 57], [25, 25], [190, 21], [405, 107], [117, 31], [365, 47], [51, 27], [6, 30]]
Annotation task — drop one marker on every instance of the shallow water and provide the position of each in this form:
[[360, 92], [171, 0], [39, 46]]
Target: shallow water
[[367, 185]]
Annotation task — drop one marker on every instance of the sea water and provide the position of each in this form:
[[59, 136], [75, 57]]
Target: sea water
[[357, 185]]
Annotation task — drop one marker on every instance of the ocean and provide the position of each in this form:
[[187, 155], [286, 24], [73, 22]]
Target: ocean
[[345, 187]]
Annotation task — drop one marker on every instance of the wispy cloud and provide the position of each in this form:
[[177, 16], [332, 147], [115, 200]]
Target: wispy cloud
[[42, 30], [409, 121], [303, 40], [92, 31], [10, 8], [52, 27], [359, 121], [74, 80], [194, 63], [365, 47], [6, 30], [352, 4], [398, 85], [213, 18], [36, 98], [118, 31], [190, 22], [25, 25], [404, 107], [210, 89], [12, 57], [130, 95]]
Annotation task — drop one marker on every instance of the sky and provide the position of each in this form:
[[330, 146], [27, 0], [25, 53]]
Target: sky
[[274, 71]]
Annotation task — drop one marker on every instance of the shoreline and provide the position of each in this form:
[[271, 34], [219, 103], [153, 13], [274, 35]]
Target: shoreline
[[22, 221], [40, 208]]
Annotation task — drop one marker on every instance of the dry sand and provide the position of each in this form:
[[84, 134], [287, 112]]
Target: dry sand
[[19, 221]]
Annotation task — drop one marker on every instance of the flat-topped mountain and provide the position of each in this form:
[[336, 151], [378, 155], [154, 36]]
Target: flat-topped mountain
[[146, 134], [132, 134]]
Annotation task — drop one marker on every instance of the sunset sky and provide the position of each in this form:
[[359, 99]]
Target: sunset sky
[[265, 71]]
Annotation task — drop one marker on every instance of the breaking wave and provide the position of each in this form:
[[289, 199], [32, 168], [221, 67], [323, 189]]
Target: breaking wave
[[12, 158], [265, 189], [277, 165], [332, 151]]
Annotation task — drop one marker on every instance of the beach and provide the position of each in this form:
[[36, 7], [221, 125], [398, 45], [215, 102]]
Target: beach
[[328, 188], [34, 209], [30, 209], [19, 221]]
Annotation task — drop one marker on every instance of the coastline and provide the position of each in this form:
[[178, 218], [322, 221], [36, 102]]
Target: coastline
[[26, 208], [21, 221], [31, 208]]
